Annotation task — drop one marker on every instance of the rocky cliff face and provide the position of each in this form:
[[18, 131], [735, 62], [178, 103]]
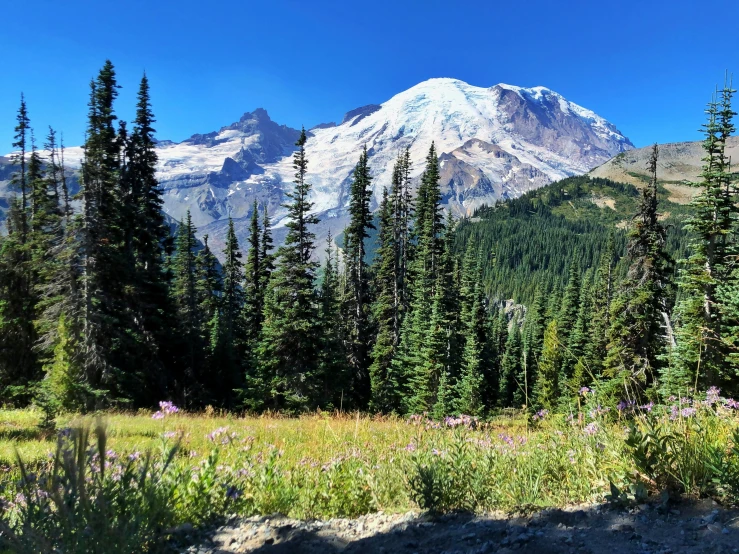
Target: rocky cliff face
[[494, 143]]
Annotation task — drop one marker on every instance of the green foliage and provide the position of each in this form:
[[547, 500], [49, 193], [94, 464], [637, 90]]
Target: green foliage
[[89, 501]]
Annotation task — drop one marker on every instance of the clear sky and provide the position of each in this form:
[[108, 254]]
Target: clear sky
[[648, 66]]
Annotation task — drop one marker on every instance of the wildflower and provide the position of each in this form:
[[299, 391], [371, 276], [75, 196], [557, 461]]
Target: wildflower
[[673, 412], [621, 406], [541, 414], [687, 412], [169, 434], [157, 415], [591, 429], [134, 456], [585, 390], [436, 452], [713, 395], [731, 403], [217, 433], [647, 407]]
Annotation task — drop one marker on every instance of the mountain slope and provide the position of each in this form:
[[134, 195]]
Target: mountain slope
[[494, 143], [678, 164]]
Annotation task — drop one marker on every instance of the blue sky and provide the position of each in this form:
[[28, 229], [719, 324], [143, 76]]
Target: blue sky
[[647, 66]]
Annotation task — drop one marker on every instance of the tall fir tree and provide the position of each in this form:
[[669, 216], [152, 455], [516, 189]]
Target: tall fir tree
[[546, 390], [698, 360], [231, 343], [288, 350], [385, 311], [357, 307], [332, 362], [189, 321], [637, 336]]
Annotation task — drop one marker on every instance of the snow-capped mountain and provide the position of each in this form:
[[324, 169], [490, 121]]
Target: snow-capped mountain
[[493, 143]]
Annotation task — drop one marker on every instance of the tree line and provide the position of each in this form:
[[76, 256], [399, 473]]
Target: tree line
[[101, 305]]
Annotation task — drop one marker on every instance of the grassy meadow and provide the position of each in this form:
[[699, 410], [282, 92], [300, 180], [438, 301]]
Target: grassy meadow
[[173, 468]]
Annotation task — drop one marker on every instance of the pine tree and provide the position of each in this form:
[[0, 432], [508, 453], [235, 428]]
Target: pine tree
[[231, 321], [332, 365], [510, 367], [471, 383], [254, 296], [19, 180], [101, 236], [533, 338], [184, 295], [208, 289], [567, 318], [700, 354], [546, 390], [288, 350], [145, 232], [358, 301], [385, 310], [600, 301], [636, 335]]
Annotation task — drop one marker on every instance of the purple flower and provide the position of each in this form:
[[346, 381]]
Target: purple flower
[[713, 395], [687, 412], [411, 447], [585, 390], [621, 406], [731, 403], [647, 407], [591, 429], [157, 415], [168, 408], [217, 433], [541, 414]]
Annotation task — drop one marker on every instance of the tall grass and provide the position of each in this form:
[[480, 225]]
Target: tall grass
[[132, 483]]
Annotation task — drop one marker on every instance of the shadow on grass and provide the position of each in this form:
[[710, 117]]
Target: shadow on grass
[[27, 434]]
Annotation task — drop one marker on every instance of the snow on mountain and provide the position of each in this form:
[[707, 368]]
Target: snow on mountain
[[493, 143]]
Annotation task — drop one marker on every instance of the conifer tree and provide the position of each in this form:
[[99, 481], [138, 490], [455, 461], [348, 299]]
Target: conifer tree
[[332, 365], [101, 241], [358, 302], [208, 289], [547, 387], [267, 265], [145, 233], [254, 296], [184, 295], [700, 354], [288, 350], [567, 318], [19, 180], [600, 305], [510, 367], [636, 335], [231, 319], [471, 384], [385, 309]]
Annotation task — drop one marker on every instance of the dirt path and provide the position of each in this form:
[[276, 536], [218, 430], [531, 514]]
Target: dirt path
[[696, 527]]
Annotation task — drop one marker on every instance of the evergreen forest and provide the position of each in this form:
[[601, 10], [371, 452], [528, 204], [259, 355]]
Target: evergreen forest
[[526, 304]]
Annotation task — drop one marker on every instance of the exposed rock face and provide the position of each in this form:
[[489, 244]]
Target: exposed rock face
[[493, 143]]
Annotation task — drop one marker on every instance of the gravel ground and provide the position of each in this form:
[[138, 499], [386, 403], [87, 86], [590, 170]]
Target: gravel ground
[[688, 527]]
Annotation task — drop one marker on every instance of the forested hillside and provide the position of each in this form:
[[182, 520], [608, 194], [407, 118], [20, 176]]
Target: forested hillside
[[625, 292], [531, 241]]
